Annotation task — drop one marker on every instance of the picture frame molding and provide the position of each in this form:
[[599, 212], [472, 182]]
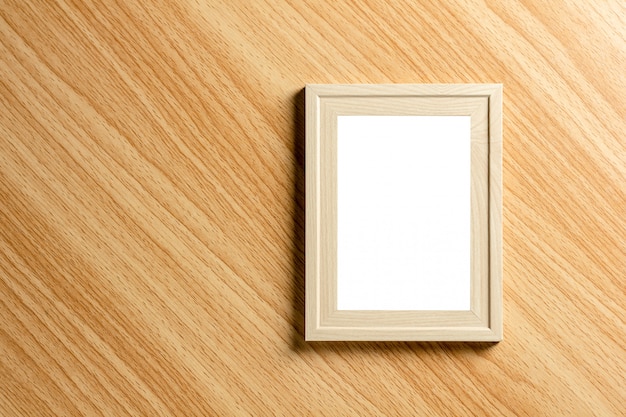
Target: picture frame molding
[[324, 104]]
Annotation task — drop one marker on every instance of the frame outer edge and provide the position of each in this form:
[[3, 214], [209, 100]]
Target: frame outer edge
[[312, 307], [495, 211]]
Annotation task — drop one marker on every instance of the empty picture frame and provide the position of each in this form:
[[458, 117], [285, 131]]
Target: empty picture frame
[[404, 212]]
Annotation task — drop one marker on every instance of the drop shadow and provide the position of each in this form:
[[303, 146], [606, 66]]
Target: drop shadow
[[298, 223], [298, 344]]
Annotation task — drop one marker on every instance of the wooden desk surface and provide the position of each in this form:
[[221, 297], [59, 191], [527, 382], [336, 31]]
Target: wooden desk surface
[[151, 207]]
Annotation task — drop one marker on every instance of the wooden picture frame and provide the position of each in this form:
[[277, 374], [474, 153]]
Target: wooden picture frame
[[328, 107]]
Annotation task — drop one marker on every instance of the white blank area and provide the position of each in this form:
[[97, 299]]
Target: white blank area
[[403, 204]]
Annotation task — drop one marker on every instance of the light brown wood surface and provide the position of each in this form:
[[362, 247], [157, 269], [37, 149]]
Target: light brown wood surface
[[152, 207]]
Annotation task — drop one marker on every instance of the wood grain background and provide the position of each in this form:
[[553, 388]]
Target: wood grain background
[[152, 206]]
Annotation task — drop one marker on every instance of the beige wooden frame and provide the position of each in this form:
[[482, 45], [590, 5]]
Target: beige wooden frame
[[324, 103]]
